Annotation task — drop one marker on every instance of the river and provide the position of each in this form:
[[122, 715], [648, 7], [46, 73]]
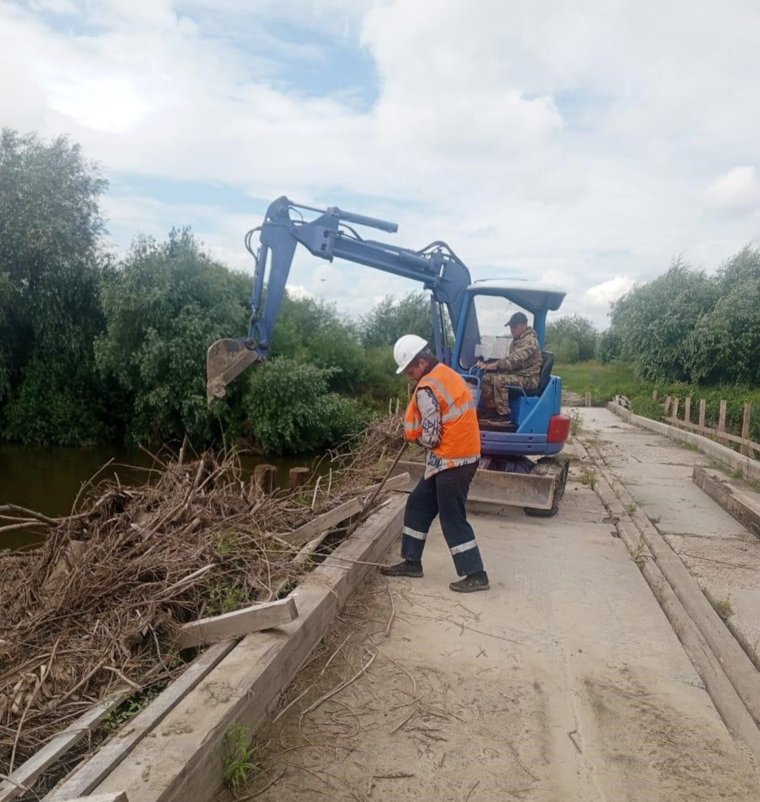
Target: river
[[48, 479]]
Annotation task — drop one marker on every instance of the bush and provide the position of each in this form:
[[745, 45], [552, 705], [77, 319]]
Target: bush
[[291, 411]]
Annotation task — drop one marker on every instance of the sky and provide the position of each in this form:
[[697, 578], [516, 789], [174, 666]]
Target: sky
[[584, 144]]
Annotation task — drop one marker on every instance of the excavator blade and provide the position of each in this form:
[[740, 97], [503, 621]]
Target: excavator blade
[[225, 360]]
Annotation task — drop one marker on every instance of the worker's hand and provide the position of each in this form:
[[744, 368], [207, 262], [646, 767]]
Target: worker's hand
[[488, 366]]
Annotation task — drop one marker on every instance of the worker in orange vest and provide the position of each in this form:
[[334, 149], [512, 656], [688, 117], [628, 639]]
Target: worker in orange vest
[[440, 417]]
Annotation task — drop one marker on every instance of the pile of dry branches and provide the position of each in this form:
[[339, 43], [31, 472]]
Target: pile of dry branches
[[100, 602]]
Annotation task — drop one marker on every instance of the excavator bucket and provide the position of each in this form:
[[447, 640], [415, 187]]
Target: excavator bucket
[[225, 360]]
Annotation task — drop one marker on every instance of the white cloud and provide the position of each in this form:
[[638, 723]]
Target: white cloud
[[602, 295], [577, 143], [735, 189]]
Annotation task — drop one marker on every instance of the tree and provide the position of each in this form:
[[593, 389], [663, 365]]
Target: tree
[[725, 343], [164, 306], [312, 331], [51, 263], [571, 338], [655, 321], [291, 410], [392, 318]]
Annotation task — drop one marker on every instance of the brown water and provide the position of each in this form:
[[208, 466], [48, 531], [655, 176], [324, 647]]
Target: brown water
[[48, 480]]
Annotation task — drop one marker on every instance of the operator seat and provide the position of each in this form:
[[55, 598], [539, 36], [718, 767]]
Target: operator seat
[[547, 363]]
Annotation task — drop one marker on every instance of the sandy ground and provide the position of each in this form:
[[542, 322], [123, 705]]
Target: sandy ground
[[564, 682]]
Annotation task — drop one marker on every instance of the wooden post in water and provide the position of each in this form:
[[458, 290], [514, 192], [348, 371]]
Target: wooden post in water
[[264, 479], [687, 410], [745, 430], [722, 417], [702, 413], [298, 477]]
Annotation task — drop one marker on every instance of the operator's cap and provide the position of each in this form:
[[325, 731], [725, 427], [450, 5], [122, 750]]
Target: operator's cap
[[517, 319]]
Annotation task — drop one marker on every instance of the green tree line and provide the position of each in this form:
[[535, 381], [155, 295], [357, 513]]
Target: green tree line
[[687, 326], [96, 349]]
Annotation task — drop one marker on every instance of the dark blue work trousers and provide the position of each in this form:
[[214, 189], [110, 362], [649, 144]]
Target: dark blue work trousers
[[444, 494]]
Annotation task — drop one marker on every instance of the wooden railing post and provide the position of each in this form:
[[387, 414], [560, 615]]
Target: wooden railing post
[[702, 413], [745, 447], [654, 395], [588, 399], [687, 410], [722, 417], [674, 417], [666, 407]]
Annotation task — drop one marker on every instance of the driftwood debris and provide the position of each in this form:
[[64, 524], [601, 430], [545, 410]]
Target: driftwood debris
[[100, 604]]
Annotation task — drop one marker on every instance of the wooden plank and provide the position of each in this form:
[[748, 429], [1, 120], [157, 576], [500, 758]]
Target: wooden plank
[[238, 623], [687, 409], [182, 761], [86, 777], [702, 412], [666, 408], [328, 520], [722, 416], [28, 772], [742, 507], [675, 410], [119, 796]]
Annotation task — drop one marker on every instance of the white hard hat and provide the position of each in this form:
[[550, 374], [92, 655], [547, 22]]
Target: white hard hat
[[406, 348]]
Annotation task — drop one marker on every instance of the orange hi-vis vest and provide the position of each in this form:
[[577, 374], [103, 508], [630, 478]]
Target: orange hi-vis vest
[[460, 434]]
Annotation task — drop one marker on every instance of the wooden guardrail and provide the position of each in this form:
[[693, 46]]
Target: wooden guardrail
[[670, 414]]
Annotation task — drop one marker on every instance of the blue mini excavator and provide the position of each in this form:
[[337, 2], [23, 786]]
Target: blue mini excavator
[[519, 466]]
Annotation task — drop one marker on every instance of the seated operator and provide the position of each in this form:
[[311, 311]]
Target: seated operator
[[521, 368]]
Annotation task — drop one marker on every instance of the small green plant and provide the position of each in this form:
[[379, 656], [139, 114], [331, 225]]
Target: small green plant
[[737, 473], [224, 596], [238, 760], [722, 607], [588, 477], [226, 543], [576, 422], [631, 508]]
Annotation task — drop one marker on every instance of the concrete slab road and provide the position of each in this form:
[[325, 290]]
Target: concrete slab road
[[564, 682]]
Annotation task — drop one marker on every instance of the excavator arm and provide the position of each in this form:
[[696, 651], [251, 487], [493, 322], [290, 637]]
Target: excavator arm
[[330, 236]]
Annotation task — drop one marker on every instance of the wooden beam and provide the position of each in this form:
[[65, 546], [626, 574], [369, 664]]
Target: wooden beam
[[722, 416], [298, 477], [322, 523], [675, 409], [25, 775], [86, 777], [329, 520], [119, 796], [238, 623], [702, 412], [687, 409]]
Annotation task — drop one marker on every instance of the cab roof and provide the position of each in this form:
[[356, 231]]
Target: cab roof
[[527, 294]]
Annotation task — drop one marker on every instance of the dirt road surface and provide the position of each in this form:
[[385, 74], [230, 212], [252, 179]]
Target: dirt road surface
[[564, 682]]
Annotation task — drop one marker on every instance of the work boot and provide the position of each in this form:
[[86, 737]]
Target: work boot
[[404, 568], [471, 583]]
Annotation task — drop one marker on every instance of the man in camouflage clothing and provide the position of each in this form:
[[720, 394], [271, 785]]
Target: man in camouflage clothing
[[521, 368]]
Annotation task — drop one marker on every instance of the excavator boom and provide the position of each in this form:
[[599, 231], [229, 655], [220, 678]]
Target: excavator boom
[[329, 236]]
